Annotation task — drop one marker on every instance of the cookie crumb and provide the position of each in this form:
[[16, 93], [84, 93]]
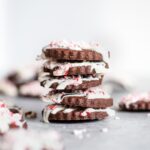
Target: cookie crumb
[[79, 133], [30, 115], [117, 118], [104, 130]]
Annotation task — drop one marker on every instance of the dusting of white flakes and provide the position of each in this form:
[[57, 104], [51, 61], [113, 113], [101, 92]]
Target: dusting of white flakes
[[117, 118], [104, 130], [148, 114], [79, 133]]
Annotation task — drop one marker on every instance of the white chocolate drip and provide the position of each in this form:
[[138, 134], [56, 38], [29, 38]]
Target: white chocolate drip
[[64, 82], [91, 93], [51, 110]]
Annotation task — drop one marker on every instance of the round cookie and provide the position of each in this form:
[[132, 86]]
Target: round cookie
[[72, 69], [135, 102], [72, 51], [70, 83], [91, 98], [61, 113]]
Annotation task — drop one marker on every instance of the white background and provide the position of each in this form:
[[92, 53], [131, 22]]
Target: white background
[[122, 26]]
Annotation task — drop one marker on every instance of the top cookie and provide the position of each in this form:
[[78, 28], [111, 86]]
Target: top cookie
[[73, 51]]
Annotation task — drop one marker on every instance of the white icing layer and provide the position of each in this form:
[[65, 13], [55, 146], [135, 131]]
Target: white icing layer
[[91, 93], [109, 111], [64, 82], [51, 109], [63, 68], [68, 110], [135, 97], [54, 109]]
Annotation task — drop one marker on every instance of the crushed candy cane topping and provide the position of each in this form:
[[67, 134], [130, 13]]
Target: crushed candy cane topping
[[8, 118]]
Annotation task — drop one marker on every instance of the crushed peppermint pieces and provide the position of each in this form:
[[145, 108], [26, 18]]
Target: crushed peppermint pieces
[[8, 119], [104, 130], [79, 133]]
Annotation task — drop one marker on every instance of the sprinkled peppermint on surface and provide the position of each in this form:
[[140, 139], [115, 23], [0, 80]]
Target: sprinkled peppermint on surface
[[117, 118], [104, 130], [79, 133]]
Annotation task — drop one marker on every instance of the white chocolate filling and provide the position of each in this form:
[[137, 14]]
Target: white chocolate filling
[[91, 93], [64, 82], [63, 68]]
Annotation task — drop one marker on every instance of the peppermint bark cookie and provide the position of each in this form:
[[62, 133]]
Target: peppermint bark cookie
[[73, 51], [91, 98], [61, 113], [135, 102], [76, 68], [73, 72], [70, 83]]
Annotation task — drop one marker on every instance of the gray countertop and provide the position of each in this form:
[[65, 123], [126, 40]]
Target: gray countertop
[[130, 132]]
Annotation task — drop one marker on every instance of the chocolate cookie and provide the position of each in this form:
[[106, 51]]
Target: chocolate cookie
[[135, 102], [93, 98], [70, 83], [72, 51], [30, 115], [72, 55], [61, 113], [72, 69]]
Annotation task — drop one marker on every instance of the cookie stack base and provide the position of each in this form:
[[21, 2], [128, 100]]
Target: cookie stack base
[[62, 113]]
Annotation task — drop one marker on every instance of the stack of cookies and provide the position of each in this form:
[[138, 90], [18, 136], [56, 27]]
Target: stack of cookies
[[72, 73]]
